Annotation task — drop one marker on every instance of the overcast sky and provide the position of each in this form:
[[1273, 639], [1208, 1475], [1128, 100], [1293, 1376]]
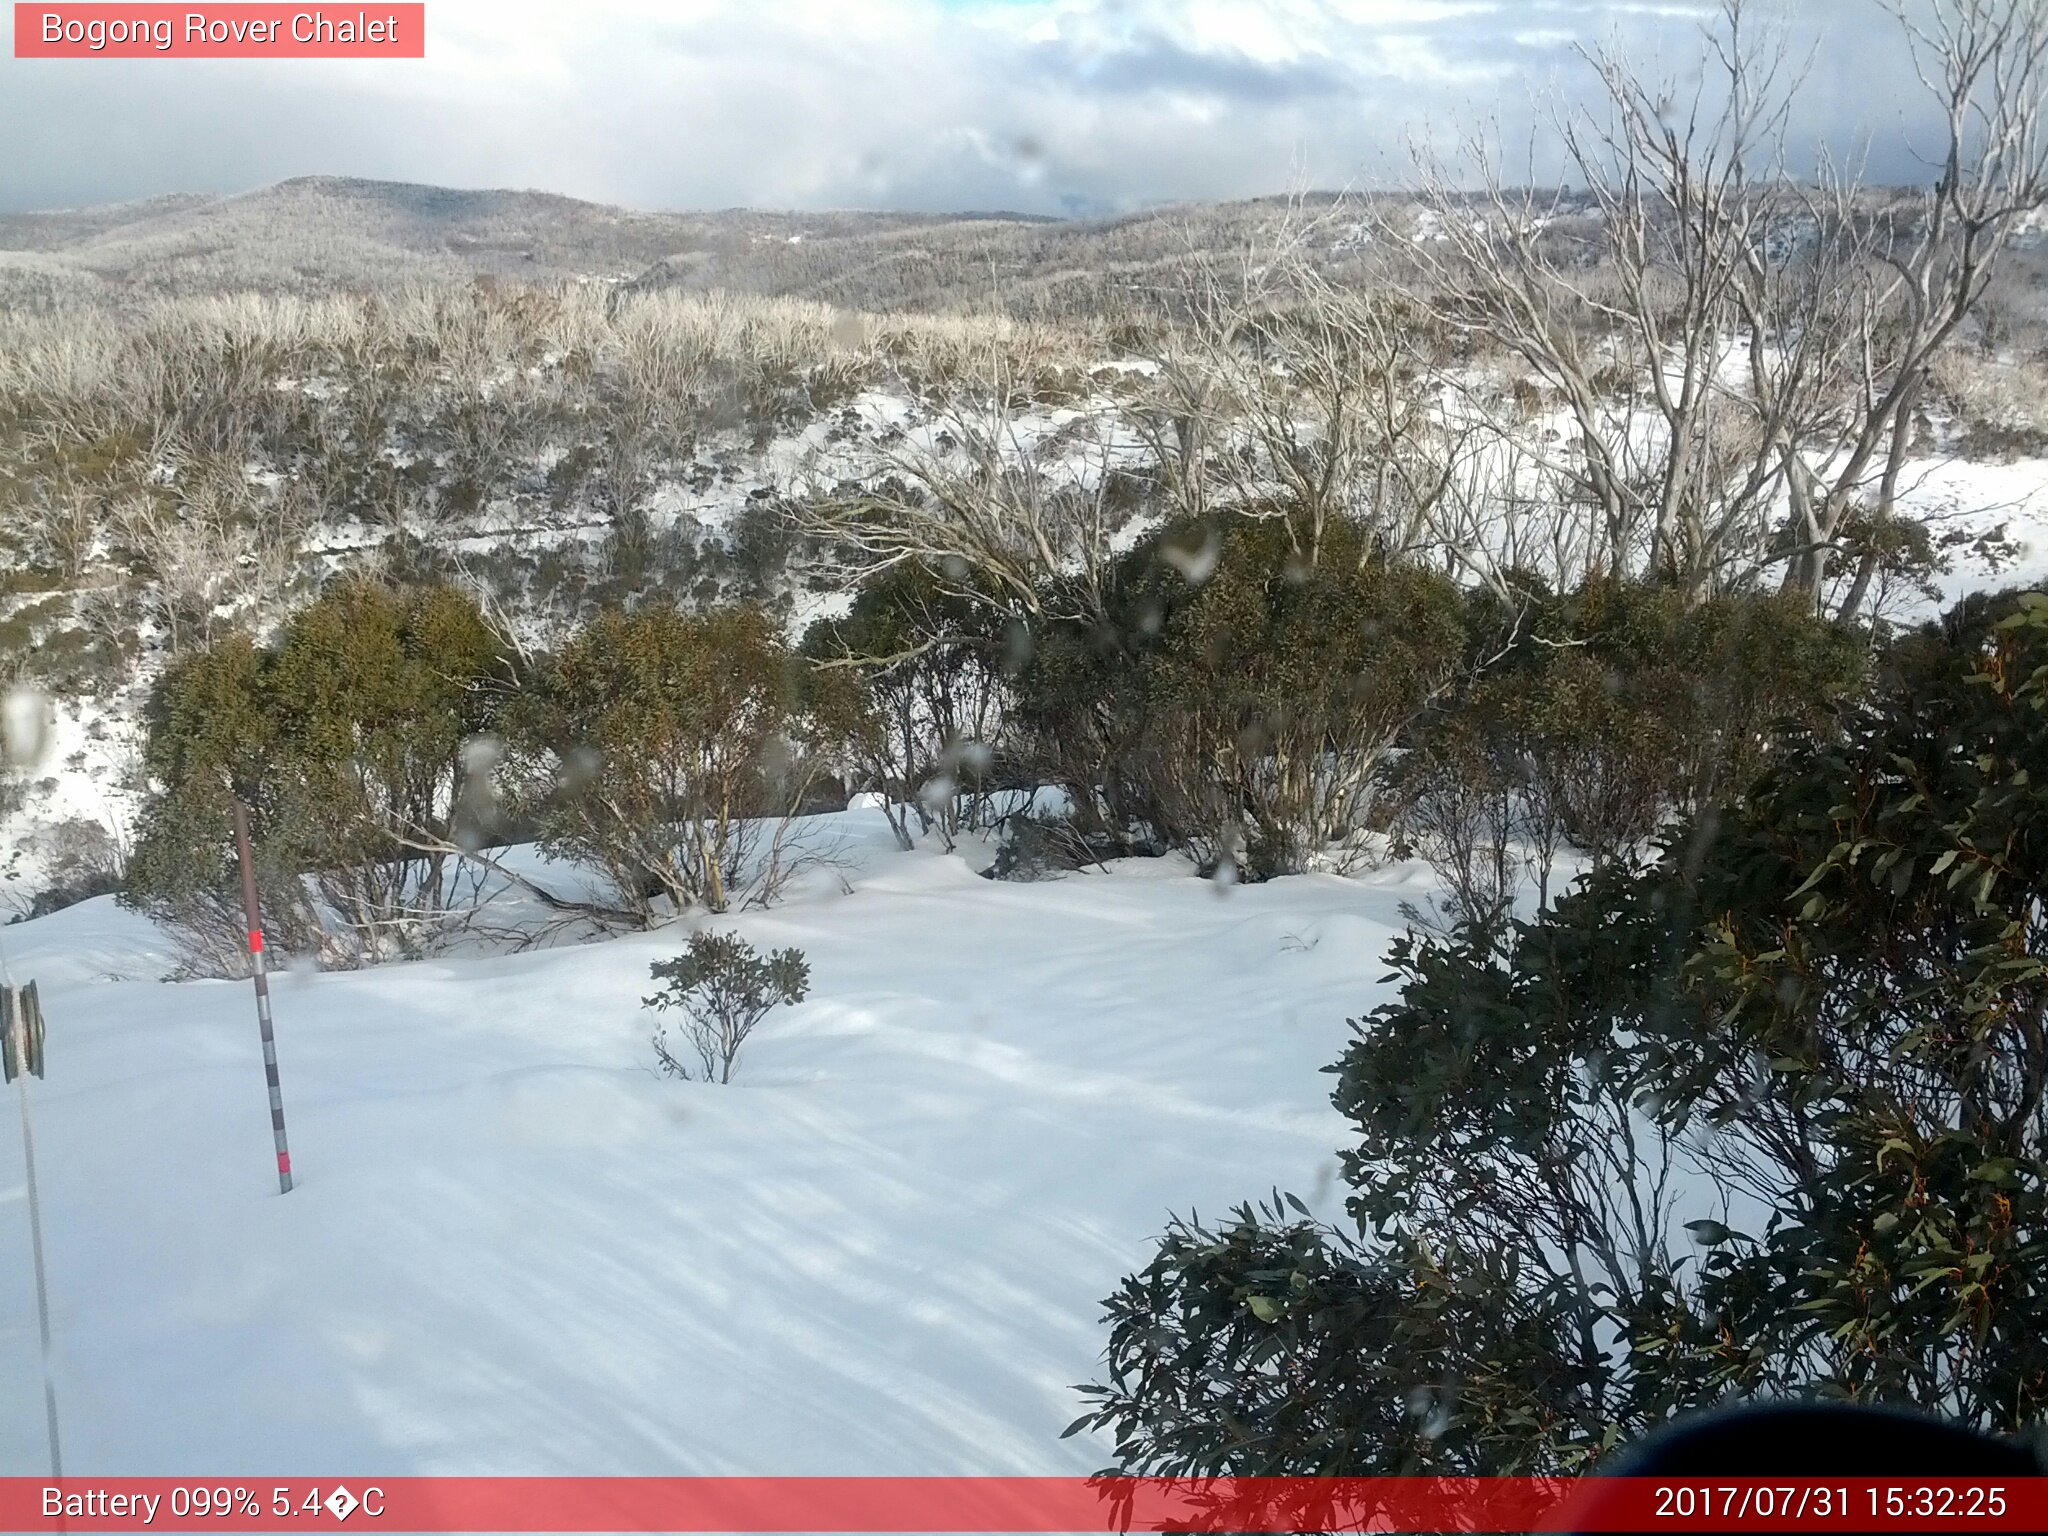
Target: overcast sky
[[1043, 106]]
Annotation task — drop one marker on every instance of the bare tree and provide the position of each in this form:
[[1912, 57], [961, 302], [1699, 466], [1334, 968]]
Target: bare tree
[[653, 389], [1312, 393], [1984, 64], [62, 527], [1323, 401], [990, 502], [191, 555], [1728, 342]]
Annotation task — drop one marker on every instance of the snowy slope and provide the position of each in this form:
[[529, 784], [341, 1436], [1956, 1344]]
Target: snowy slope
[[514, 1249], [1979, 496]]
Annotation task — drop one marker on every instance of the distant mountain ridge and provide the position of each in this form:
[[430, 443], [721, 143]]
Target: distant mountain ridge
[[320, 234], [327, 234]]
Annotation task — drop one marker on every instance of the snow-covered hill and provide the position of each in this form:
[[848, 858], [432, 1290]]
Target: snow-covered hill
[[514, 1248]]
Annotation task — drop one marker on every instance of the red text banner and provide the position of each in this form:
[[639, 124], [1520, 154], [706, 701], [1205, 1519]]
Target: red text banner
[[1021, 1504], [241, 31]]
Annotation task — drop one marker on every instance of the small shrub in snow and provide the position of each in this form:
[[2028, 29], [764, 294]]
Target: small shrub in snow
[[83, 859], [724, 989]]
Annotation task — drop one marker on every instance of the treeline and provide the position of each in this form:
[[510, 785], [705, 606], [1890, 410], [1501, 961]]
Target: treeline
[[1215, 692], [190, 466]]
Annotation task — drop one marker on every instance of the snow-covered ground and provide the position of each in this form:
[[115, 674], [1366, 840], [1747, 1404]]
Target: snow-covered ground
[[1980, 496], [514, 1249]]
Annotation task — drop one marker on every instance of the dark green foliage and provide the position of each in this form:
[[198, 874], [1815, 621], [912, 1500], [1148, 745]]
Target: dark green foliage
[[346, 739], [925, 660], [637, 561], [1219, 692], [764, 540], [1763, 1117], [653, 746], [409, 560], [724, 988], [1893, 986], [1590, 719], [1632, 701], [1236, 700], [567, 476], [1240, 1349]]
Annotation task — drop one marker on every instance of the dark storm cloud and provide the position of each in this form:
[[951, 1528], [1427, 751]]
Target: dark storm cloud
[[919, 104]]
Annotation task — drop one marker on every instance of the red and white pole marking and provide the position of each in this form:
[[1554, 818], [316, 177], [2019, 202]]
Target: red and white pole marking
[[262, 973]]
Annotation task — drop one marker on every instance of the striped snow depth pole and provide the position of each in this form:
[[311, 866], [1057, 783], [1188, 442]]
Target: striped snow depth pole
[[262, 974]]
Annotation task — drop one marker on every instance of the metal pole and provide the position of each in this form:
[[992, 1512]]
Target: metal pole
[[35, 1238], [256, 958]]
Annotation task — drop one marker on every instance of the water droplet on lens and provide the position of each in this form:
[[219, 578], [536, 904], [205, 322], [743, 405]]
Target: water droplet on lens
[[24, 727]]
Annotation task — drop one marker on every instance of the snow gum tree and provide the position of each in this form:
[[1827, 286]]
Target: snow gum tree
[[1739, 350]]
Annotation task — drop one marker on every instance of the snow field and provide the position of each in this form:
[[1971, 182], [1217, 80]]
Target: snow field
[[514, 1249]]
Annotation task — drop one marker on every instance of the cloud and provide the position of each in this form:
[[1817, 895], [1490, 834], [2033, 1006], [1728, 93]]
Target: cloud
[[1163, 66], [1034, 105]]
